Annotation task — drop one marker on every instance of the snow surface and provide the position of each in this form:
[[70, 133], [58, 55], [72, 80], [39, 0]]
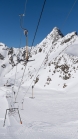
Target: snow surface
[[53, 113], [73, 50]]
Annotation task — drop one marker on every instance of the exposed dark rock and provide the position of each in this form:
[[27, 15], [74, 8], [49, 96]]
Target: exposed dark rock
[[24, 53], [3, 66], [10, 51], [1, 57], [66, 77], [37, 79], [64, 67], [49, 64], [48, 79], [11, 59], [64, 85], [40, 49]]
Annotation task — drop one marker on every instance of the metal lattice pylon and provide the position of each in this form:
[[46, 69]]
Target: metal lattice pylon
[[12, 110]]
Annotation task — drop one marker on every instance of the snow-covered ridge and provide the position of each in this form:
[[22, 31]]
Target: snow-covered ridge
[[68, 37], [55, 48]]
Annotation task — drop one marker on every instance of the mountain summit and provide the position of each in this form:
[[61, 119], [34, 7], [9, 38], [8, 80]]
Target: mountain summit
[[56, 31], [55, 34]]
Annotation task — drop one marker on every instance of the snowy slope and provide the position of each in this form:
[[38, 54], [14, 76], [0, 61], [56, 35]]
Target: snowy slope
[[54, 74], [57, 64]]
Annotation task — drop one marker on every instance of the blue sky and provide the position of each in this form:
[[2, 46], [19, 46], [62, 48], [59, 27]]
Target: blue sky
[[54, 14]]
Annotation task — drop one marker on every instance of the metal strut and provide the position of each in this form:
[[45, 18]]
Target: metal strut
[[26, 34], [10, 110]]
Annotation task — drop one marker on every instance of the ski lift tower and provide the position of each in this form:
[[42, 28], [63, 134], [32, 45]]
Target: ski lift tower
[[26, 34]]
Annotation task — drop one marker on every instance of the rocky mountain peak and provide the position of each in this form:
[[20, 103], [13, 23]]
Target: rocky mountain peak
[[55, 34]]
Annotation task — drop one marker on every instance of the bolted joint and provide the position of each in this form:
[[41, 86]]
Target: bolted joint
[[32, 86], [25, 32]]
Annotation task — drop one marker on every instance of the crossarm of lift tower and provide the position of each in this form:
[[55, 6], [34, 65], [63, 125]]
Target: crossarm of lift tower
[[21, 21]]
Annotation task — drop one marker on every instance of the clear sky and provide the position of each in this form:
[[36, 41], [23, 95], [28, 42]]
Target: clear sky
[[55, 13]]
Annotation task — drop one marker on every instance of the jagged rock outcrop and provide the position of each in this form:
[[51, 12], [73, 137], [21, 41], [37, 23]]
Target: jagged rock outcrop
[[1, 57], [10, 52], [56, 34], [3, 66]]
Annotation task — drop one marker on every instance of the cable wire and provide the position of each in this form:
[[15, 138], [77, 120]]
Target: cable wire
[[69, 12], [18, 53], [25, 7], [20, 82], [38, 22]]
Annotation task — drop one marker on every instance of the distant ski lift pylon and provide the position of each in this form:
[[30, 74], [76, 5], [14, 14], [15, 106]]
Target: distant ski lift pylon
[[26, 34]]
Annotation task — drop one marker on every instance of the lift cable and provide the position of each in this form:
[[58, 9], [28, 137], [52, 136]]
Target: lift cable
[[18, 53], [38, 23], [20, 82], [25, 8], [69, 12]]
